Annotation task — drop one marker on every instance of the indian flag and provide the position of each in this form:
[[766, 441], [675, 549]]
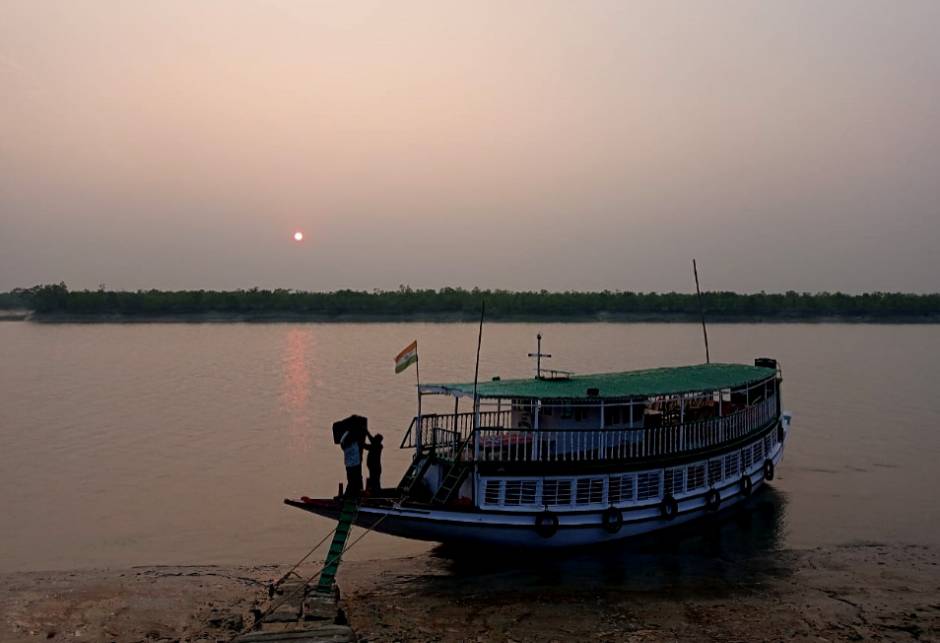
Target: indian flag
[[407, 357]]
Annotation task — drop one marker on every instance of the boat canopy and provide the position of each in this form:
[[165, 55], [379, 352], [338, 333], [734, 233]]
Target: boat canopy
[[644, 383]]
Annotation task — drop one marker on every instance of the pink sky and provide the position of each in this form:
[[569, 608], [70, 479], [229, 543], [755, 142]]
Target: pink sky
[[522, 145]]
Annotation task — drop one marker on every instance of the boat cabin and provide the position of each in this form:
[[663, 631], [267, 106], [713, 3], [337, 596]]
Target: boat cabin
[[560, 424]]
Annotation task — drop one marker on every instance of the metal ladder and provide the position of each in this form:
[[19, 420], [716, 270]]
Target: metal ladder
[[455, 475], [415, 473], [335, 554], [452, 481]]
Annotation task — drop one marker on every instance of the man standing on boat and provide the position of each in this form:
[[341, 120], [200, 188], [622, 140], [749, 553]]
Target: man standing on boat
[[350, 434]]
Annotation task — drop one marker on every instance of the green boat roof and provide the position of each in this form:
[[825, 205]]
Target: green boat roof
[[654, 381]]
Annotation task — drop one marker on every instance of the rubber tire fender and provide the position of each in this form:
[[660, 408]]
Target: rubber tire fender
[[612, 519], [712, 500], [669, 508], [768, 469], [747, 485], [546, 524], [781, 434]]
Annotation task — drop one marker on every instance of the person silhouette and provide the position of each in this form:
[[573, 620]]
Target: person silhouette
[[374, 463]]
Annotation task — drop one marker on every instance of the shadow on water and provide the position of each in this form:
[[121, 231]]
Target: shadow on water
[[737, 548]]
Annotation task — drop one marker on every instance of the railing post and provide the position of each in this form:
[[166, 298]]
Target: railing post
[[536, 451]]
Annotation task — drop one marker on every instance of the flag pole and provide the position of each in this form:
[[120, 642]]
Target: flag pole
[[418, 420], [418, 380]]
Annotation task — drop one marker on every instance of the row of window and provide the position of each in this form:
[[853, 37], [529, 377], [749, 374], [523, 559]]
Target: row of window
[[627, 487]]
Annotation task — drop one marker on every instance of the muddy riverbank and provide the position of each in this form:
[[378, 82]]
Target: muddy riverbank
[[854, 592]]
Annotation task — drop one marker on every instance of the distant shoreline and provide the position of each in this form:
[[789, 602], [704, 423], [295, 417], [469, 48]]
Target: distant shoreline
[[56, 303], [446, 318]]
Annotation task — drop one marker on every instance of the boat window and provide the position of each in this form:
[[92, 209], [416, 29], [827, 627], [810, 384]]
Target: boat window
[[620, 489], [674, 481], [491, 492], [556, 492], [520, 492], [731, 465], [759, 451], [746, 459], [714, 471], [695, 478], [647, 485], [768, 444], [589, 491]]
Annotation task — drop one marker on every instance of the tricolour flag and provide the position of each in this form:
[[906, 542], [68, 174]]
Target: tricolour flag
[[407, 357]]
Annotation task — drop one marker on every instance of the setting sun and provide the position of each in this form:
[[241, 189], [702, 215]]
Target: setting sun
[[298, 236]]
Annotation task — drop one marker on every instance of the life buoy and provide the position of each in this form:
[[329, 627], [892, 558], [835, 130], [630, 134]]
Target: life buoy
[[546, 524], [712, 500], [768, 469], [612, 519], [669, 508], [746, 485]]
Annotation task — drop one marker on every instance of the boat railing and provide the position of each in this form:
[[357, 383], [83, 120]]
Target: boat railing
[[574, 445], [495, 443], [448, 430]]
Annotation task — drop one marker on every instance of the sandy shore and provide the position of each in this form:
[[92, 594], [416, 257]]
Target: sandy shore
[[859, 592]]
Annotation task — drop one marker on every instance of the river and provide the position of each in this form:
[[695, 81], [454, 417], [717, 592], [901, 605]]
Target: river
[[127, 444]]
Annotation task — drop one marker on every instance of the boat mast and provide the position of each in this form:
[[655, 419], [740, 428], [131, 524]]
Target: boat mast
[[701, 309], [476, 404]]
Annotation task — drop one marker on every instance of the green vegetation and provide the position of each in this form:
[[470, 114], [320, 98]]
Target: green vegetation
[[57, 301]]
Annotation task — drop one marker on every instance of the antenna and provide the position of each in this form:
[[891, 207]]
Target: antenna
[[701, 309], [538, 355]]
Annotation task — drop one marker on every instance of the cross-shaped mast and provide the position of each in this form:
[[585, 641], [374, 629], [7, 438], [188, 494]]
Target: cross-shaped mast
[[538, 355]]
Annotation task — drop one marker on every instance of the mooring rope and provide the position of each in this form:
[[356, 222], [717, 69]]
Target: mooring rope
[[300, 562], [303, 587]]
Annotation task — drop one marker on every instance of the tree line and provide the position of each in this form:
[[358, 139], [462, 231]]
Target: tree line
[[57, 299]]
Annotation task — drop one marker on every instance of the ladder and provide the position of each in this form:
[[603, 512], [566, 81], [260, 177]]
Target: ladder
[[452, 481], [415, 473], [335, 554], [455, 475]]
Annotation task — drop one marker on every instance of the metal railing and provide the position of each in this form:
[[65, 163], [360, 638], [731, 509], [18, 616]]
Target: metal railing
[[441, 430], [494, 443], [573, 445]]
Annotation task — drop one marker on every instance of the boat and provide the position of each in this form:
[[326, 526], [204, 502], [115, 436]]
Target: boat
[[562, 460]]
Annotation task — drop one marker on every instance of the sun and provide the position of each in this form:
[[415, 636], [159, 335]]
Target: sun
[[298, 236]]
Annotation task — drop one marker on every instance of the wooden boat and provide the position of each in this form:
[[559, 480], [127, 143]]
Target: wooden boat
[[563, 460]]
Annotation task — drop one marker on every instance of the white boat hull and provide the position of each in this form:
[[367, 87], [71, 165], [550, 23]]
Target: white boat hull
[[517, 529]]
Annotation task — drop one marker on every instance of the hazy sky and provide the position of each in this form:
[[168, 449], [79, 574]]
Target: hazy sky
[[525, 145]]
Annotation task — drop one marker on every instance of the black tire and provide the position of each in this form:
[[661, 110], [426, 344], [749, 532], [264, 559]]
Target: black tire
[[768, 470], [780, 432], [546, 524], [712, 500], [612, 519], [669, 508], [746, 485]]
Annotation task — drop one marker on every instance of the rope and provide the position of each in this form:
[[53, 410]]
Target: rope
[[299, 588], [395, 505], [278, 582]]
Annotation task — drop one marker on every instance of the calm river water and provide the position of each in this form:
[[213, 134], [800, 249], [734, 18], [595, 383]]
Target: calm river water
[[175, 443]]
